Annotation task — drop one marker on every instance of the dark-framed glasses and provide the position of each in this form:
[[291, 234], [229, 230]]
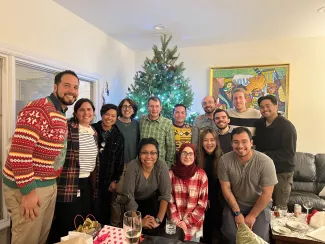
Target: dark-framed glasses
[[187, 154], [127, 107]]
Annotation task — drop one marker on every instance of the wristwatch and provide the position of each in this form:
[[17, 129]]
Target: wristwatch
[[158, 220], [237, 213]]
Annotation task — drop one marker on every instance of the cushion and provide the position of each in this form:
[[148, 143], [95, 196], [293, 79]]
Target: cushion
[[246, 236]]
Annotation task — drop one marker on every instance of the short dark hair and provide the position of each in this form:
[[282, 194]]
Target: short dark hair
[[269, 97], [146, 141], [154, 98], [240, 130], [78, 104], [179, 105], [132, 103], [59, 76], [107, 107], [219, 110]]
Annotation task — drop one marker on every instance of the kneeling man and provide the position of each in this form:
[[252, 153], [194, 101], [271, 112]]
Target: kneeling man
[[247, 179]]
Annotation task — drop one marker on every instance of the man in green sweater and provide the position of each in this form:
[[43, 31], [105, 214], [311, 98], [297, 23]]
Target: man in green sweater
[[277, 137]]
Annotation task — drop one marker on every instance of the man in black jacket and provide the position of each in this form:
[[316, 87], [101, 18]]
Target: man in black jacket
[[277, 137], [111, 151]]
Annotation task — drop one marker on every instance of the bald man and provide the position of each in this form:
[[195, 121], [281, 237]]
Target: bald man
[[209, 104]]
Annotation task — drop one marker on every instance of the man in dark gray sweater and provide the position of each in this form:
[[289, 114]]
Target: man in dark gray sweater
[[277, 137]]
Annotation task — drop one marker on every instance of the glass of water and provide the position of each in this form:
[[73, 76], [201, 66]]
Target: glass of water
[[132, 226], [170, 227]]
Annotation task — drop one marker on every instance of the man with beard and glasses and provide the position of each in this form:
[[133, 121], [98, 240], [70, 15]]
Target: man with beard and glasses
[[35, 160], [204, 121], [221, 119], [247, 179]]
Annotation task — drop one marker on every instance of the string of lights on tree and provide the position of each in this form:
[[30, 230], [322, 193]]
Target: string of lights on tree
[[163, 77]]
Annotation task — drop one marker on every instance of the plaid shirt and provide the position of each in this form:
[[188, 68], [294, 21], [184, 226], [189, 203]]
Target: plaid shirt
[[68, 181], [162, 130], [189, 201]]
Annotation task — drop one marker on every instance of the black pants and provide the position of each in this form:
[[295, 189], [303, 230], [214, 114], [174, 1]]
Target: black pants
[[102, 205], [65, 212], [149, 206]]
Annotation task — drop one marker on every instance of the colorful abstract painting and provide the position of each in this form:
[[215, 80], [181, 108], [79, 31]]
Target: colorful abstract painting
[[256, 80]]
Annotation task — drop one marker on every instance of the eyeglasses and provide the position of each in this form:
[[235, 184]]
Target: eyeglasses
[[147, 153], [186, 154], [127, 107]]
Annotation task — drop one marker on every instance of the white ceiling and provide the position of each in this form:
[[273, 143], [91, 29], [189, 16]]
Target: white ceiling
[[199, 23]]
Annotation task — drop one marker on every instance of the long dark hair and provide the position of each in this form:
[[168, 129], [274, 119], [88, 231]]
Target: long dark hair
[[76, 107], [217, 151]]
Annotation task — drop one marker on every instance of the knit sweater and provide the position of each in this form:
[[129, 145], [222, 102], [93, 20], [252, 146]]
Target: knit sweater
[[278, 141], [38, 146]]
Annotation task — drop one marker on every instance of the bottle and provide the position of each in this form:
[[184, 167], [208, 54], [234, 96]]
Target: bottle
[[297, 210]]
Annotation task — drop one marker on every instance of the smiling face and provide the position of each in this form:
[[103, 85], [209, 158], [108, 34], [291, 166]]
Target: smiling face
[[268, 109], [127, 110], [85, 114], [179, 115], [154, 108], [67, 90], [221, 120], [209, 143], [208, 104], [148, 156], [242, 145], [187, 156], [239, 101], [109, 119]]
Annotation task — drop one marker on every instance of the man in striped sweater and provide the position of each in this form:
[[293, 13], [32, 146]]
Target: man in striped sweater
[[35, 160], [240, 115]]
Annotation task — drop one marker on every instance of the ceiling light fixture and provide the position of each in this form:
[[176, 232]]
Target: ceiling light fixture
[[321, 10], [160, 27]]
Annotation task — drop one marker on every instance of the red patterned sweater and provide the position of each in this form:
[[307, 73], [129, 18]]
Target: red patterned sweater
[[38, 146]]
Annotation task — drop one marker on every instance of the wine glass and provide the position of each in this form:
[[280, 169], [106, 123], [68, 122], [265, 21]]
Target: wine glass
[[132, 226], [307, 205]]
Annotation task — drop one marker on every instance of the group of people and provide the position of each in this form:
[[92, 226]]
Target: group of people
[[207, 178]]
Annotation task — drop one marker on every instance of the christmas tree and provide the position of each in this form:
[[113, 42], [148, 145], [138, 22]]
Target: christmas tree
[[163, 77]]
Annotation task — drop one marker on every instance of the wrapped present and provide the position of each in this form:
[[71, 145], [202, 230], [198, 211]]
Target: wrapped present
[[110, 235]]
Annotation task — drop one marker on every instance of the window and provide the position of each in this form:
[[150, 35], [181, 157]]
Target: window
[[34, 82]]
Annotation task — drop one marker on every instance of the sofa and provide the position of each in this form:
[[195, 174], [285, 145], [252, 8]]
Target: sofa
[[308, 180]]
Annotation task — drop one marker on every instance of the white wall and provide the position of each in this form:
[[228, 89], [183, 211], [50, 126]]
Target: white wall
[[44, 30], [306, 80]]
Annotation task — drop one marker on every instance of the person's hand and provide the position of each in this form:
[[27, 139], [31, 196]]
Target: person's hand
[[239, 220], [112, 187], [182, 225], [148, 222], [29, 205], [250, 221], [155, 223]]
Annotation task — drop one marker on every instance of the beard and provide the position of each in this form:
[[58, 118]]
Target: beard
[[67, 103], [221, 128]]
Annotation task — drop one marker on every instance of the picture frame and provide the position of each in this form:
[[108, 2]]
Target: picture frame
[[257, 80]]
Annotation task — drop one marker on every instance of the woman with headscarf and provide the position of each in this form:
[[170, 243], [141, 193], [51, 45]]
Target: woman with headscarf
[[189, 193]]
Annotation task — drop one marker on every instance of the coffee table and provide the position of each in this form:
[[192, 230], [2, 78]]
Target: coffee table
[[294, 236]]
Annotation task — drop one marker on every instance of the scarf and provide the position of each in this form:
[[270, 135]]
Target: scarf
[[185, 171]]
